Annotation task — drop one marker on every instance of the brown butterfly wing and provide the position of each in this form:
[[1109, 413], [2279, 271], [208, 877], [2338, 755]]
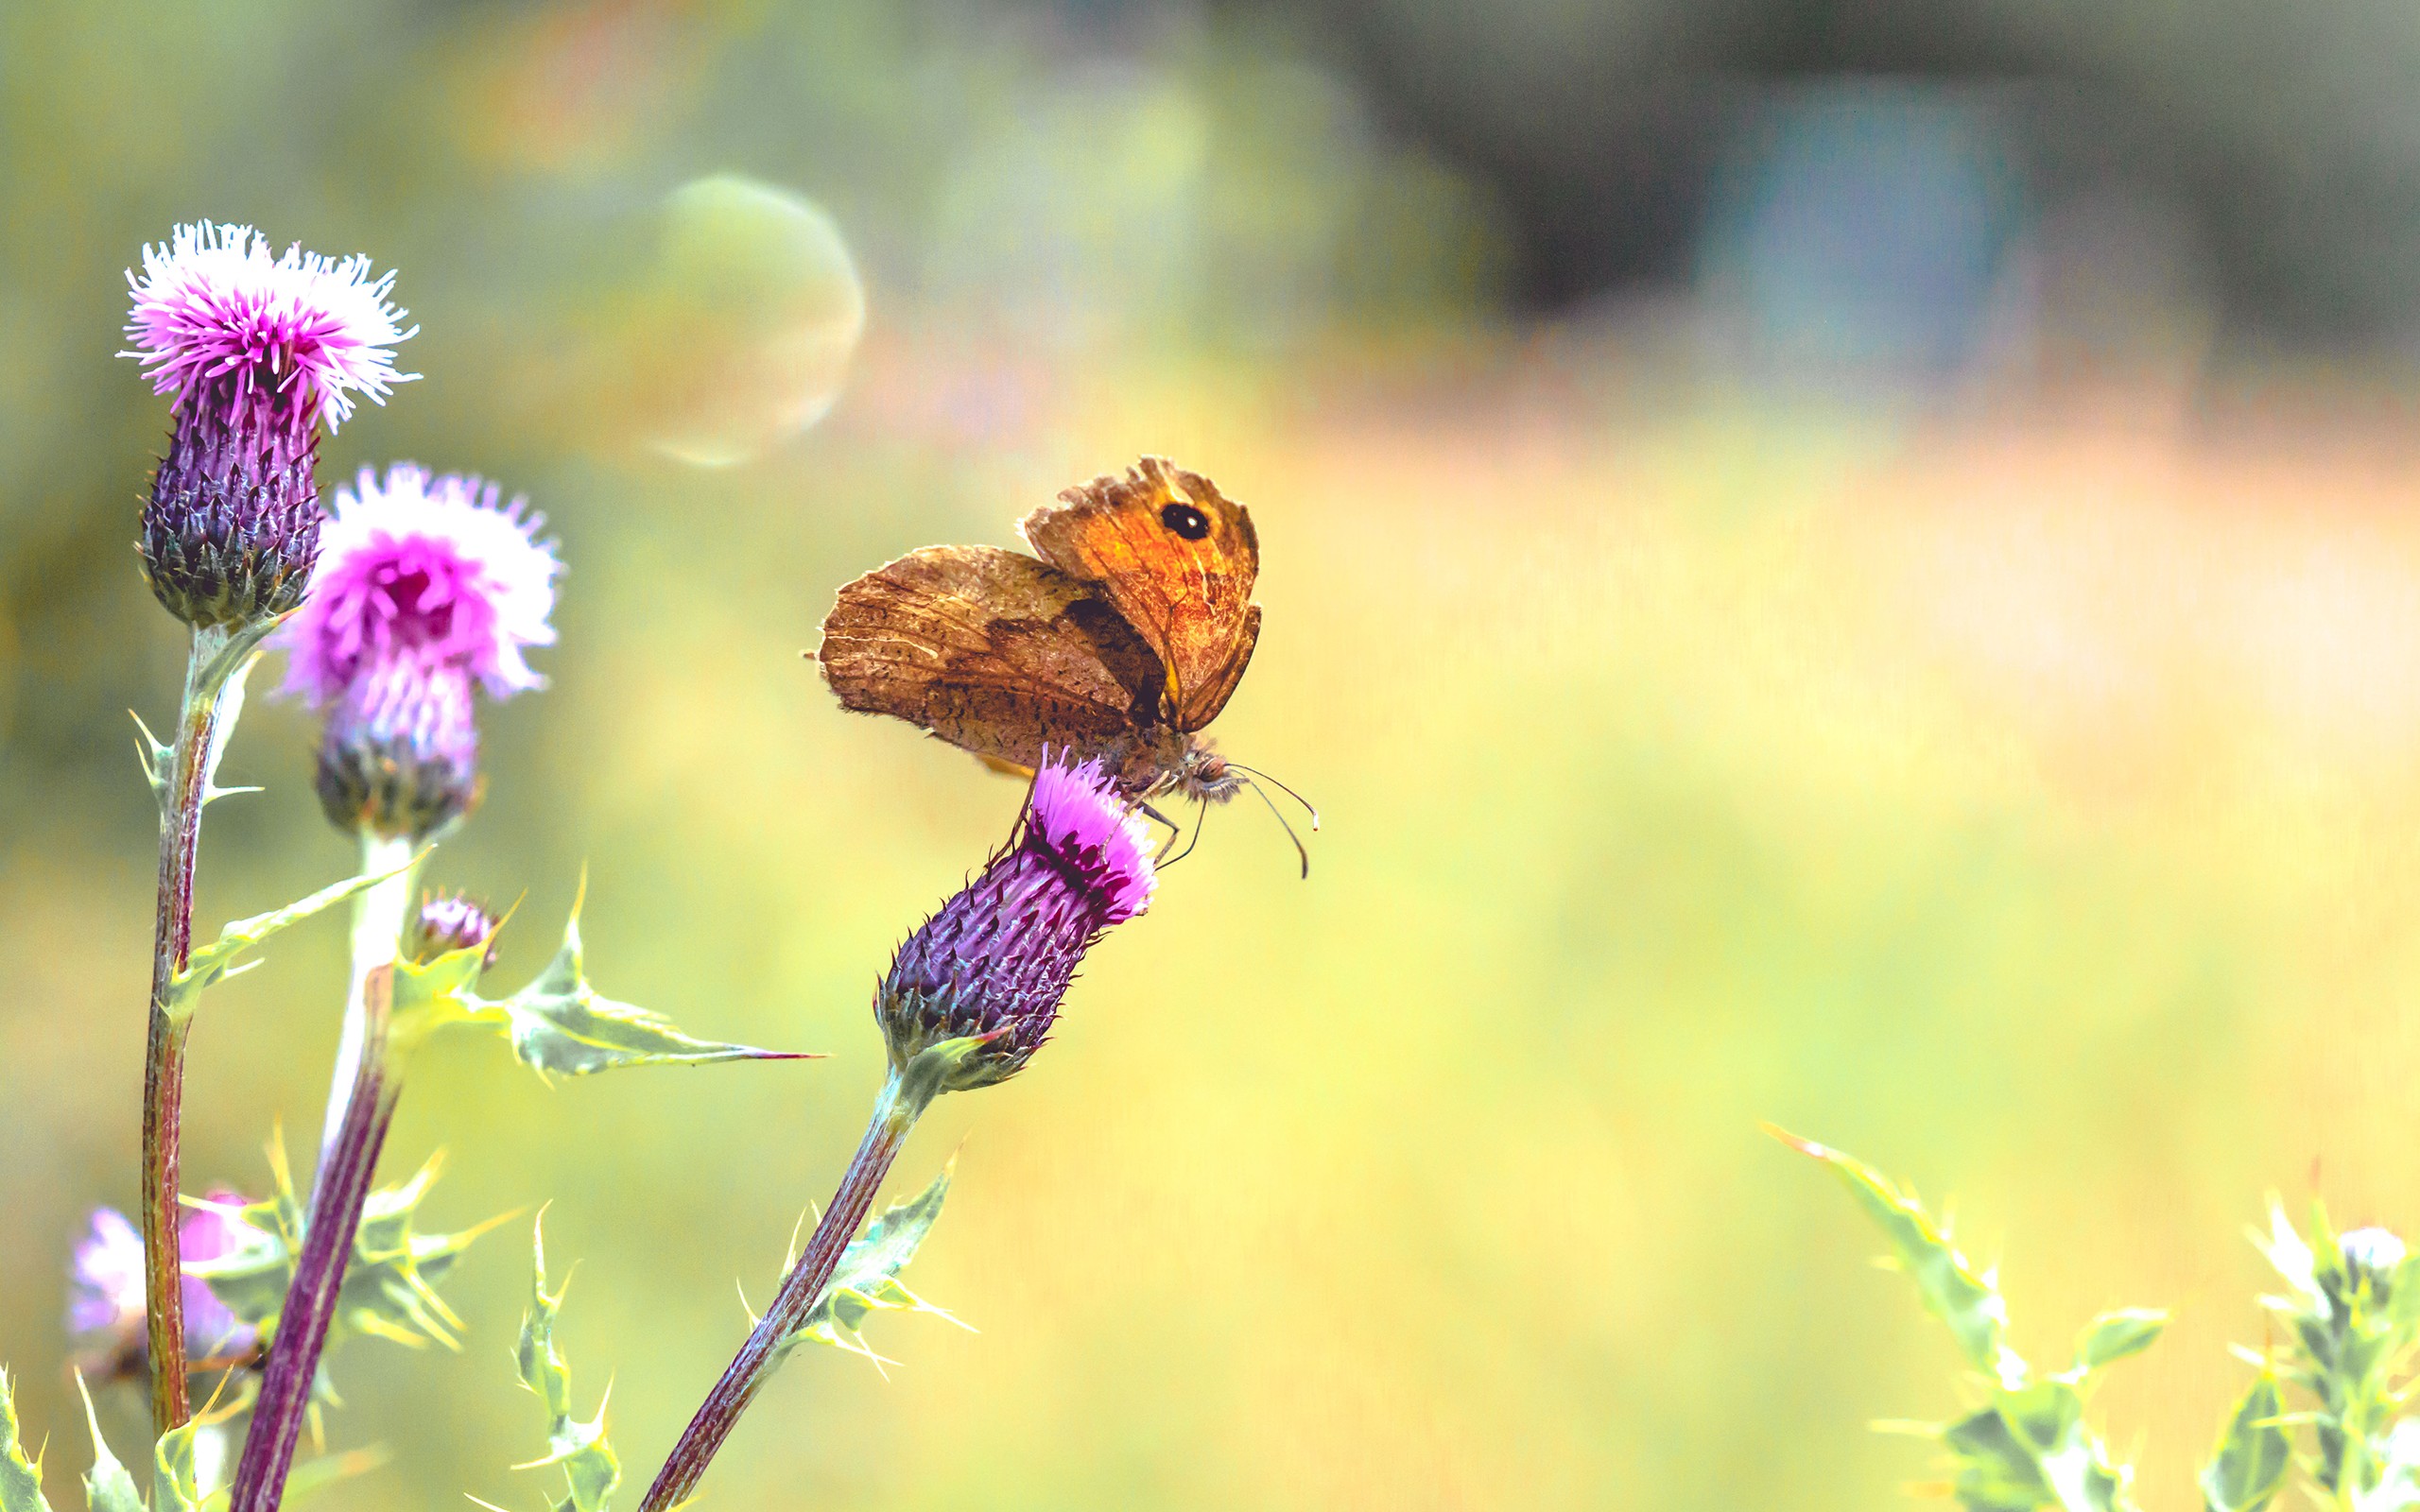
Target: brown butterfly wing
[[1178, 560], [993, 651]]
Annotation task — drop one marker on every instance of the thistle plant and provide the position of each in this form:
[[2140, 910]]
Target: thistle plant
[[399, 611], [254, 352], [968, 999], [2330, 1402], [428, 588]]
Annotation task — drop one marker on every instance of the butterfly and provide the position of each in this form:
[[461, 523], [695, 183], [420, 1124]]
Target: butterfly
[[1120, 639]]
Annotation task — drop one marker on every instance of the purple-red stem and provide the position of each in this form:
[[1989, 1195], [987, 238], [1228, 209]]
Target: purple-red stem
[[894, 1115], [163, 1058], [337, 1198]]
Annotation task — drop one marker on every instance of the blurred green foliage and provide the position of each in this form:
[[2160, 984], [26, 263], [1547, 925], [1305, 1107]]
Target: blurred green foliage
[[2351, 1316], [2034, 810]]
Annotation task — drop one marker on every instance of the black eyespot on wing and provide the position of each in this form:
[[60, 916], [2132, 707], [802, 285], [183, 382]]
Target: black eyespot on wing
[[1185, 520]]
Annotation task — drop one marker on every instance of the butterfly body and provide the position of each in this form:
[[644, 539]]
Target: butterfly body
[[1122, 638]]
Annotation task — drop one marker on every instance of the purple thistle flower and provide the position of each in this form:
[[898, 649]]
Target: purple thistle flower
[[207, 1232], [255, 352], [447, 922], [997, 959], [425, 585], [105, 1282]]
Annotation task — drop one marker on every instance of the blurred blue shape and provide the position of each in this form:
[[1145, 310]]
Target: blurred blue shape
[[1863, 224]]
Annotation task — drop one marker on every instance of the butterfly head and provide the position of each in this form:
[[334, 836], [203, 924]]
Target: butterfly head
[[1202, 776]]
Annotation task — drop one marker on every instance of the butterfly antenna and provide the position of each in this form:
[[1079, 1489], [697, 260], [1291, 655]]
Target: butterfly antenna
[[1202, 816], [1282, 788], [1262, 793]]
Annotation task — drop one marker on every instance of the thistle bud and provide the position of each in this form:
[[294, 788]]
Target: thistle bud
[[401, 752], [448, 922], [994, 962], [425, 587], [255, 352]]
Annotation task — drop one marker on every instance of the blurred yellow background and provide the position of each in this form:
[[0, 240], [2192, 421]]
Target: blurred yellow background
[[1958, 703]]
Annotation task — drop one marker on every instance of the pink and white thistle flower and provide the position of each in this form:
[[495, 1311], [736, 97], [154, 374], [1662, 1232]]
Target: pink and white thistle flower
[[996, 961], [256, 351], [427, 586]]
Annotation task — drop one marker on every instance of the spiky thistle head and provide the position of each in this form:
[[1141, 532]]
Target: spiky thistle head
[[996, 959], [255, 352]]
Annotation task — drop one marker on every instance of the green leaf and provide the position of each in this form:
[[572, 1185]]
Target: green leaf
[[391, 1284], [222, 662], [108, 1487], [2113, 1337], [228, 654], [590, 1469], [1953, 1291], [215, 962], [1996, 1472], [2044, 1414], [172, 1487], [2031, 1447], [542, 1369], [428, 995], [2255, 1452], [558, 1025], [159, 763], [867, 1280], [20, 1477]]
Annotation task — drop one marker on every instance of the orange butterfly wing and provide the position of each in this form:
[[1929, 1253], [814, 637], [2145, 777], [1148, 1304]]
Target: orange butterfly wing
[[1178, 561], [993, 651]]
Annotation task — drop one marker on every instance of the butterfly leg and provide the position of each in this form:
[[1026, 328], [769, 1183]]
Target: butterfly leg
[[1176, 831]]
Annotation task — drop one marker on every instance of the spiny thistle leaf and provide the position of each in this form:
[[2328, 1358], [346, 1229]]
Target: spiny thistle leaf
[[2030, 1447], [558, 1025], [867, 1281], [174, 1486], [2354, 1321], [215, 962], [107, 1487], [1953, 1291], [218, 680], [159, 763], [391, 1284], [590, 1469], [1996, 1472], [2254, 1454], [20, 1477], [2113, 1337], [428, 995], [2398, 1487]]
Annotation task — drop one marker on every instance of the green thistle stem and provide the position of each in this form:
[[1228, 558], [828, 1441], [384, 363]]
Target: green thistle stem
[[379, 916], [214, 697], [894, 1113], [361, 1104]]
